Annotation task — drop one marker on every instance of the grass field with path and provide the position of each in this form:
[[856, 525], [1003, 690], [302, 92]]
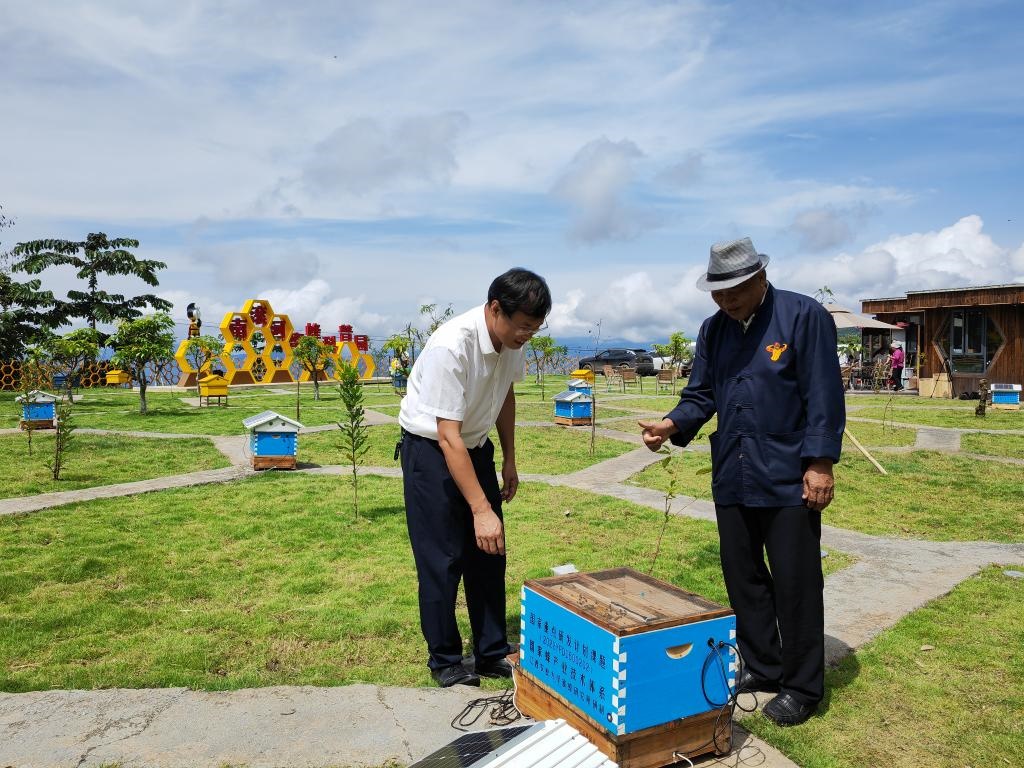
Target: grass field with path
[[95, 460]]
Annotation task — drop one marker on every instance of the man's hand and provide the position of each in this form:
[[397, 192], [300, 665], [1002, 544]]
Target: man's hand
[[490, 533], [656, 433], [818, 484], [509, 480]]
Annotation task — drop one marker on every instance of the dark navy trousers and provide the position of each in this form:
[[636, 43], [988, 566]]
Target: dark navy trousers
[[780, 611], [444, 547]]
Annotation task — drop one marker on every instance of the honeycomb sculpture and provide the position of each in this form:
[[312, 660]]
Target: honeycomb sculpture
[[259, 349]]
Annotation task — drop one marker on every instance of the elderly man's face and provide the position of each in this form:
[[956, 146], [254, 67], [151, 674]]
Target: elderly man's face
[[741, 301]]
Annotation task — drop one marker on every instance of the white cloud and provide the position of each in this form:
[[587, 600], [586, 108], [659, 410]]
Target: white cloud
[[595, 185], [956, 256]]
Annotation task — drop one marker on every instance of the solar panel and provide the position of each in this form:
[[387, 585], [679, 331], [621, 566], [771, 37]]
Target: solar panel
[[468, 749]]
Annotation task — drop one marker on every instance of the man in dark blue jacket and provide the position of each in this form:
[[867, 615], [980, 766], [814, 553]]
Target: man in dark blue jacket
[[766, 363]]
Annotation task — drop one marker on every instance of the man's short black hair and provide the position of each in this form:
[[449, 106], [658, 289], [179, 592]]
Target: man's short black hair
[[520, 290]]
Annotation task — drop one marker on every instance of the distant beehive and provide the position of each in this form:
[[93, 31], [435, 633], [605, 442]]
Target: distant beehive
[[38, 410], [573, 408], [273, 439]]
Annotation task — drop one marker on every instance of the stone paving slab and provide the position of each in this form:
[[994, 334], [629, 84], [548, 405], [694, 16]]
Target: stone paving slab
[[945, 440], [356, 725]]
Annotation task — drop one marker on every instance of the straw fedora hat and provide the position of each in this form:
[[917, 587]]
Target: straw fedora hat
[[730, 264]]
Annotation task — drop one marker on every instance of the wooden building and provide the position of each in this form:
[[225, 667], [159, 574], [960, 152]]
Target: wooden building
[[965, 334]]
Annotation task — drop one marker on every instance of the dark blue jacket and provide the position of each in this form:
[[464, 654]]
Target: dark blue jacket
[[778, 394]]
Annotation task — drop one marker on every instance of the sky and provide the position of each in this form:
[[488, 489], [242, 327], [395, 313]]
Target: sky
[[351, 161]]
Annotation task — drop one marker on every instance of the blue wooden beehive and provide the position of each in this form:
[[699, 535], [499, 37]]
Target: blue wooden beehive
[[626, 650], [572, 407], [581, 385], [1006, 394], [273, 440], [37, 406]]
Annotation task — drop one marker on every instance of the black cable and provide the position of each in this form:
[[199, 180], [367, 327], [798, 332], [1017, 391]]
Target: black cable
[[502, 711]]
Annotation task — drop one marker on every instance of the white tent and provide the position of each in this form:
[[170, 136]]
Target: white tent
[[845, 318]]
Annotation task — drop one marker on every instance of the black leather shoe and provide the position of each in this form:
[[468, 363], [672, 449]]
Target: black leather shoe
[[749, 683], [494, 668], [784, 710], [456, 674]]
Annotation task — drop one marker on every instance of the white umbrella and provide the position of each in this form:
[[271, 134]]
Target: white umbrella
[[845, 318]]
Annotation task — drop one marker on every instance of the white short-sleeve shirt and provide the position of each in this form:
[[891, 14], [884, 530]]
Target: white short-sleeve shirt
[[460, 376]]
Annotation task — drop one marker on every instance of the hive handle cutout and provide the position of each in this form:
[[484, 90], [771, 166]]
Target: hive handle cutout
[[678, 651]]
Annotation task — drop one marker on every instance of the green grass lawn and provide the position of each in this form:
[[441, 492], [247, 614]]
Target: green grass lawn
[[994, 445], [926, 495], [960, 417], [548, 450], [894, 704], [98, 460], [273, 581], [873, 434]]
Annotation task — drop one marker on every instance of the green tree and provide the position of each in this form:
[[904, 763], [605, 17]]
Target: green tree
[[26, 313], [399, 346], [314, 356], [71, 353], [100, 257], [25, 310], [200, 352], [678, 349], [62, 438], [137, 343], [355, 435], [545, 352]]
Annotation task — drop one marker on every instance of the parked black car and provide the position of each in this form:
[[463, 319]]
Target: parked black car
[[643, 362]]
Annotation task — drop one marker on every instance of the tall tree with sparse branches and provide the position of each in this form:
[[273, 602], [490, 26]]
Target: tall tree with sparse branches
[[139, 343], [314, 356], [94, 258]]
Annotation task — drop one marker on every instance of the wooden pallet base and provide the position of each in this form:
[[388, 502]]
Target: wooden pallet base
[[568, 421], [273, 462], [1005, 406], [35, 424], [710, 732]]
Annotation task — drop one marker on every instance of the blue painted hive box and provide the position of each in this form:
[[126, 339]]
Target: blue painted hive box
[[273, 440], [581, 385], [37, 406], [626, 650], [574, 405], [1006, 394]]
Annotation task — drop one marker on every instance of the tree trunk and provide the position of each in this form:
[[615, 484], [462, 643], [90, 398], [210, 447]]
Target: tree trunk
[[298, 400], [142, 392], [316, 384]]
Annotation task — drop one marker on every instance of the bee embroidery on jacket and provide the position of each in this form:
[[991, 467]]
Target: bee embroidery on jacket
[[776, 350]]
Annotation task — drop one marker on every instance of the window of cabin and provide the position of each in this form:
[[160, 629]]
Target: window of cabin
[[969, 340]]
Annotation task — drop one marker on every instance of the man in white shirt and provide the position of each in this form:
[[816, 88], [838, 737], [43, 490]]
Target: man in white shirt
[[460, 387]]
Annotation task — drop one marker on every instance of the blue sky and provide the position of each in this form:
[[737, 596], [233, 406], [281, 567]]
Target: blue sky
[[352, 161]]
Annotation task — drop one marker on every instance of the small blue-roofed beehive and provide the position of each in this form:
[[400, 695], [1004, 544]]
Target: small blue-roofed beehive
[[581, 385], [38, 410], [273, 439], [1006, 396], [627, 651], [573, 408]]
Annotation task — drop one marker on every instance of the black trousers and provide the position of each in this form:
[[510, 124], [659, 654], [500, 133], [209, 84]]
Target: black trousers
[[444, 547], [780, 611]]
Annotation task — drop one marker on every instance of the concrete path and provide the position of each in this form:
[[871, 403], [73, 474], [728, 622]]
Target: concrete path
[[366, 725]]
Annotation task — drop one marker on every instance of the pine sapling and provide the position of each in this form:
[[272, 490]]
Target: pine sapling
[[355, 435], [62, 438]]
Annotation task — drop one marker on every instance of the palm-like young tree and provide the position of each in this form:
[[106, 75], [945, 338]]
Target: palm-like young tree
[[99, 256]]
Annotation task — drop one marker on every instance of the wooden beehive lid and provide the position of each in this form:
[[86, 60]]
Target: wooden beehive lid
[[626, 602], [213, 378]]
